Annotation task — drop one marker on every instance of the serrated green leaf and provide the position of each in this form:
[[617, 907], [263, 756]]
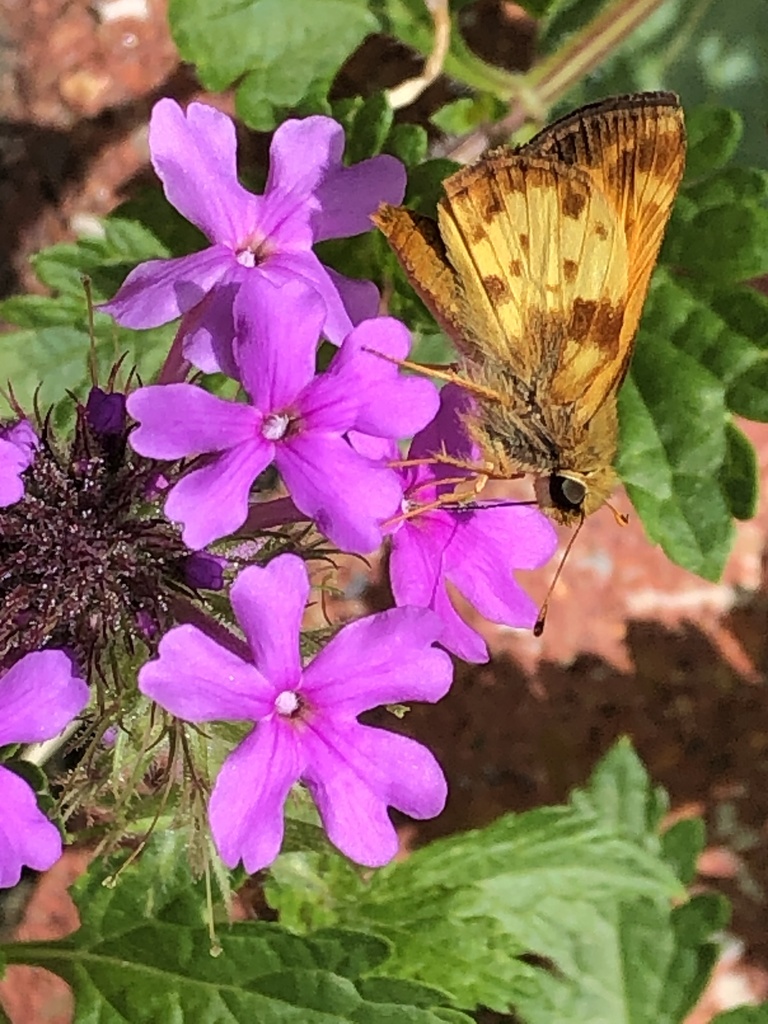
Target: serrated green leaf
[[672, 447], [106, 260], [42, 311], [563, 914], [381, 989], [739, 475], [619, 793], [722, 244], [730, 185], [47, 363], [143, 955], [682, 844], [713, 134], [277, 50]]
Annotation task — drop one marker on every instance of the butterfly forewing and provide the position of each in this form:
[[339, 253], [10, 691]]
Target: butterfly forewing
[[540, 256], [633, 149]]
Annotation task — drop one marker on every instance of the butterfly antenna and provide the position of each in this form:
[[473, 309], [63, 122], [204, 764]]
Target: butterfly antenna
[[538, 628], [621, 518]]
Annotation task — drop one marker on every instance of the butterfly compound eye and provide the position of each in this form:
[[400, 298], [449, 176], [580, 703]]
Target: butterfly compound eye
[[566, 493]]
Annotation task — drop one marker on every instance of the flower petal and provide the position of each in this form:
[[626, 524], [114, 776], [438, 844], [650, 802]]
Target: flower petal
[[416, 557], [360, 299], [303, 153], [27, 837], [394, 405], [195, 158], [286, 266], [212, 501], [349, 195], [487, 547], [349, 790], [18, 445], [277, 333], [381, 659], [411, 779], [178, 420], [447, 430], [39, 695], [199, 680], [268, 602], [458, 636], [208, 329], [348, 496], [158, 291], [416, 568], [246, 806]]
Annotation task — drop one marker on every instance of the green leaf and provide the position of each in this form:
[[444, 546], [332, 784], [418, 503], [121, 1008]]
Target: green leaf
[[584, 890], [143, 954], [739, 475], [408, 142], [714, 134], [672, 447], [425, 184], [744, 1015], [48, 362], [682, 845], [369, 129], [731, 185], [278, 51], [722, 243]]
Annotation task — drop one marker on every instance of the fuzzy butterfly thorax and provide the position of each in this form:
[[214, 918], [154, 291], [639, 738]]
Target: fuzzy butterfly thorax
[[537, 267]]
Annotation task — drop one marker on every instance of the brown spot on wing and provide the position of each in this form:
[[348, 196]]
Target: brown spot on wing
[[493, 205], [525, 242], [601, 231], [516, 268], [477, 233], [572, 201], [570, 270], [601, 321], [495, 287]]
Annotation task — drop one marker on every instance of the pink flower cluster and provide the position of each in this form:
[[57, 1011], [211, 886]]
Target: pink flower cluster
[[255, 305]]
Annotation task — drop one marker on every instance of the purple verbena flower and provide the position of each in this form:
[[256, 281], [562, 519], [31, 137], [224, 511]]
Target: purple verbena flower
[[306, 724], [39, 696], [474, 549], [294, 418], [309, 196], [18, 444]]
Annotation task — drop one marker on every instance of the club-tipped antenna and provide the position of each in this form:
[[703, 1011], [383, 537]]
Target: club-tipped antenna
[[538, 628]]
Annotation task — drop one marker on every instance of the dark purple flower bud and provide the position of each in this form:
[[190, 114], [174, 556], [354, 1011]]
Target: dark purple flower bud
[[204, 572], [106, 412]]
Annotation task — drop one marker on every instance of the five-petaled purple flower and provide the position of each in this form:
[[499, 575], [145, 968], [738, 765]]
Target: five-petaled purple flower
[[309, 196], [306, 719], [475, 549], [294, 418], [39, 696], [18, 445]]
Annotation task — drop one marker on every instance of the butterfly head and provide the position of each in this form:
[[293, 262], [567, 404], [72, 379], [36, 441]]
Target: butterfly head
[[567, 496]]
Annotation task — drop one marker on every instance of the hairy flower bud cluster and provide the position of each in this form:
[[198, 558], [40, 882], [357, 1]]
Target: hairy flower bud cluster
[[85, 561]]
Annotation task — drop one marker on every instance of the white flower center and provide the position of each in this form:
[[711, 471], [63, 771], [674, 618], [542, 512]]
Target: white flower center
[[275, 426], [246, 258], [287, 702]]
